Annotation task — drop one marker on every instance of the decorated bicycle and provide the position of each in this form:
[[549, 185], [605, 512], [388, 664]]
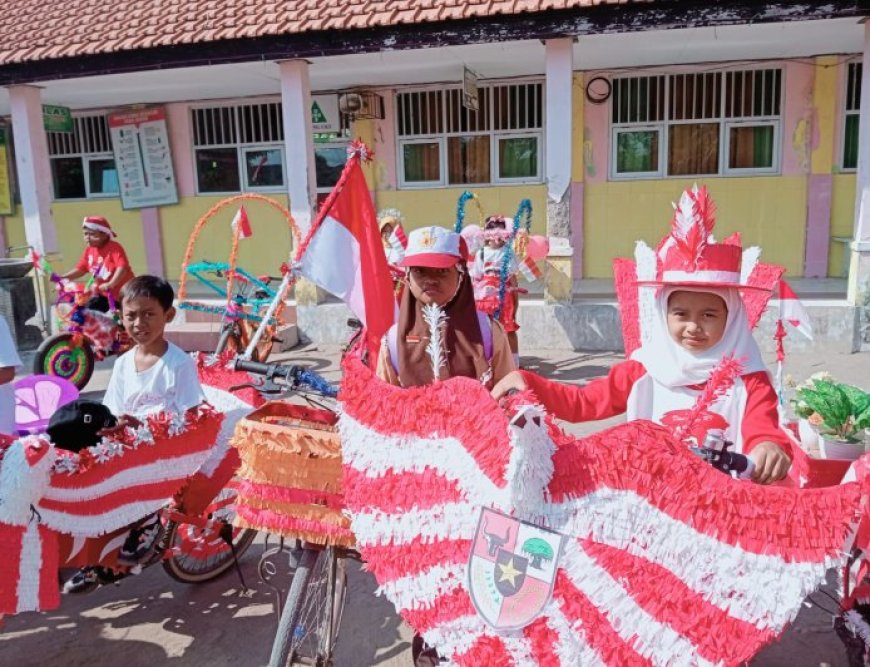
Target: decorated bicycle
[[503, 540], [84, 335], [248, 299]]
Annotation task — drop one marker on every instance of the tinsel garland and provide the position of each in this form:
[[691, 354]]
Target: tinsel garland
[[524, 210], [460, 209]]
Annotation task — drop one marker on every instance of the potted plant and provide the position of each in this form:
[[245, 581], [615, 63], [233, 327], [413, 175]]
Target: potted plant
[[839, 411]]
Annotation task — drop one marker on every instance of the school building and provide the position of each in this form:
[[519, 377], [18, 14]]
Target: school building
[[599, 111]]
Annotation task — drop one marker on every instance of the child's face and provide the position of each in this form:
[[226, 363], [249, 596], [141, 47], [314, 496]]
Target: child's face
[[430, 285], [94, 238], [696, 320], [386, 231], [145, 319]]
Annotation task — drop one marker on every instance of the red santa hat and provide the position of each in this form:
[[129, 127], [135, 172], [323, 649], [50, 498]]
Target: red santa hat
[[98, 223]]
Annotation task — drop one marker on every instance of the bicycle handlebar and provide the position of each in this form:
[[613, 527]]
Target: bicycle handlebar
[[292, 375]]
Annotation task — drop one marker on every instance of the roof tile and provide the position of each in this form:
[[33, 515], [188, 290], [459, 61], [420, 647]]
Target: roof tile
[[33, 30]]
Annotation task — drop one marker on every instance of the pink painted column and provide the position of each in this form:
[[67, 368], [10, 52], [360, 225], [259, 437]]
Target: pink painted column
[[178, 124], [153, 236], [818, 233], [3, 242]]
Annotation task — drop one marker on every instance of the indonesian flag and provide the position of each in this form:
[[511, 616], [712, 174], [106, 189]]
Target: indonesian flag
[[665, 561], [530, 269], [398, 238], [791, 310], [241, 224], [344, 255]]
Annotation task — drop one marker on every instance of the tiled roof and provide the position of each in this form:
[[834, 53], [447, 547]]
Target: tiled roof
[[34, 30]]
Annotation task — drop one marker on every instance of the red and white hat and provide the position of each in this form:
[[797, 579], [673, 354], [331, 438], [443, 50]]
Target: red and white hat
[[689, 255], [98, 223], [433, 247]]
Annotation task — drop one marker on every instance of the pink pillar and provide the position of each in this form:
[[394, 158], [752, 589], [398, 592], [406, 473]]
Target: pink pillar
[[178, 123], [819, 190], [153, 236]]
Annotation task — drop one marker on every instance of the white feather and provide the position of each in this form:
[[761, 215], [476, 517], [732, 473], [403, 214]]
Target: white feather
[[435, 319]]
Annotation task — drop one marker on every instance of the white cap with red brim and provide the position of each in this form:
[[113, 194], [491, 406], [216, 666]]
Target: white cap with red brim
[[433, 247]]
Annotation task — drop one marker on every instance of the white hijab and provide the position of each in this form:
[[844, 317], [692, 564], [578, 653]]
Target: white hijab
[[671, 365]]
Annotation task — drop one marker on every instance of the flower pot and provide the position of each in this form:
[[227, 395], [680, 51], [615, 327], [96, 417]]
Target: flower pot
[[840, 449], [809, 437]]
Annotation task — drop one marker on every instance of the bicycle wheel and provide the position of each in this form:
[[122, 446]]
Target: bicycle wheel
[[264, 346], [65, 356], [200, 555], [308, 629]]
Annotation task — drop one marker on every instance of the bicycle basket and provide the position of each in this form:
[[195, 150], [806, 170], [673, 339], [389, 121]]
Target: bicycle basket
[[290, 478]]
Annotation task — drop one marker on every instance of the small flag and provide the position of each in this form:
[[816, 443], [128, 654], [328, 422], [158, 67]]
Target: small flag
[[530, 269], [793, 311], [242, 224], [40, 263], [398, 239]]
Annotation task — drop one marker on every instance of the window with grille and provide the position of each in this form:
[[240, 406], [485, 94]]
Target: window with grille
[[695, 124], [82, 162], [440, 142], [853, 113], [238, 148]]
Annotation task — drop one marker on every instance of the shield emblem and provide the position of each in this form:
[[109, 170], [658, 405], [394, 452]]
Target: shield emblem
[[511, 569]]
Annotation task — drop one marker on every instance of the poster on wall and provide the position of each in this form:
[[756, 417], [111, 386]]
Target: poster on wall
[[143, 158], [7, 205]]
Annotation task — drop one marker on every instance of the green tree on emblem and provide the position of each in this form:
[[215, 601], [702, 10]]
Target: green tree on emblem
[[538, 550]]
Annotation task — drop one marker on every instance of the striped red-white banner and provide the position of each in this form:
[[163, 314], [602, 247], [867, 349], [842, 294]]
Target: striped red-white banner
[[668, 561]]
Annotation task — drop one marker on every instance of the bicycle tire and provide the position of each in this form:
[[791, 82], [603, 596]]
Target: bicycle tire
[[177, 568], [283, 644], [63, 357]]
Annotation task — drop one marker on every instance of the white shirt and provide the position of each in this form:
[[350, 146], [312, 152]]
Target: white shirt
[[170, 385], [8, 357]]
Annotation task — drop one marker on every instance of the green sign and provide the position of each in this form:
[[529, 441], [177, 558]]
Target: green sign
[[317, 115], [56, 119]]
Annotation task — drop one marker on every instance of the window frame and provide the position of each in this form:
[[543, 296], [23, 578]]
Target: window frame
[[725, 122], [85, 157], [494, 137], [335, 143], [240, 146], [847, 113]]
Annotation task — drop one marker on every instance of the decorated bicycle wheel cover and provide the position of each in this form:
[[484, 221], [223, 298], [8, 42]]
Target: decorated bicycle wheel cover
[[665, 560]]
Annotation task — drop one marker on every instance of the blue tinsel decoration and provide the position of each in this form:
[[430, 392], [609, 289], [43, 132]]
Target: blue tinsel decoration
[[317, 383], [524, 208], [460, 210], [506, 260]]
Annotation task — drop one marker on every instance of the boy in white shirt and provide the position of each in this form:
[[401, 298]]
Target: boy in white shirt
[[154, 376], [9, 361]]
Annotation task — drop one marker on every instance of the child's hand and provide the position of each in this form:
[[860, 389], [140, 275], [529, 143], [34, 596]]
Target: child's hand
[[123, 422], [513, 381], [771, 463]]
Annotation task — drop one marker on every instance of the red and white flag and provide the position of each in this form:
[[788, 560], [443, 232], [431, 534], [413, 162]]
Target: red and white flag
[[666, 561], [242, 224], [398, 238], [530, 269], [344, 254], [791, 310]]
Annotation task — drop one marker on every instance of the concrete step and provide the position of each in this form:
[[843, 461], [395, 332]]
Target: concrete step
[[203, 336]]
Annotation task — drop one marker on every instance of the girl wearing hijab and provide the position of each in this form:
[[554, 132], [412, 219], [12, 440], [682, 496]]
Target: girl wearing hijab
[[700, 319], [476, 346]]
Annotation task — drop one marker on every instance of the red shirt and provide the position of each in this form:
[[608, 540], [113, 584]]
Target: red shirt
[[103, 261], [608, 396]]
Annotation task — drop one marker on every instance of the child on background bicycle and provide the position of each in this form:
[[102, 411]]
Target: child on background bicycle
[[699, 320], [105, 260], [154, 376]]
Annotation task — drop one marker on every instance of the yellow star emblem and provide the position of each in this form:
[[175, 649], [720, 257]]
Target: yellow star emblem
[[509, 572]]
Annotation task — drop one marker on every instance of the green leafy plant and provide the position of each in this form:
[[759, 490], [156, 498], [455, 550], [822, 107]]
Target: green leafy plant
[[838, 410]]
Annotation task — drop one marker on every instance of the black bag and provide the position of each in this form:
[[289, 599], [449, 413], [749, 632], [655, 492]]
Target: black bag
[[76, 425]]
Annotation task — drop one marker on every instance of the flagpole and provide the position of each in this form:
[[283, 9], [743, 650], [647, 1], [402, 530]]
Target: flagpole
[[270, 312], [780, 353]]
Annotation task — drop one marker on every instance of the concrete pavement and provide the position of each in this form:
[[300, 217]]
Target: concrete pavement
[[152, 620]]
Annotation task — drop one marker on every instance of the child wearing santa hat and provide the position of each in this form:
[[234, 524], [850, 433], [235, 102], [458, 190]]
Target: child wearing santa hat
[[104, 259], [698, 324]]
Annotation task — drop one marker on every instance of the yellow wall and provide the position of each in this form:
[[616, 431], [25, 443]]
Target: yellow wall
[[769, 212], [438, 207], [842, 219], [264, 252]]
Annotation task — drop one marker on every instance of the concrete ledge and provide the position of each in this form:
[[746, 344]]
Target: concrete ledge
[[594, 325]]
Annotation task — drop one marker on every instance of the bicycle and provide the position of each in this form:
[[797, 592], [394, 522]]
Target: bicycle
[[311, 615], [248, 297]]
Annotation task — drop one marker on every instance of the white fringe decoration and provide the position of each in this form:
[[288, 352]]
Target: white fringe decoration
[[30, 562], [531, 465], [436, 319], [750, 259], [22, 485]]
